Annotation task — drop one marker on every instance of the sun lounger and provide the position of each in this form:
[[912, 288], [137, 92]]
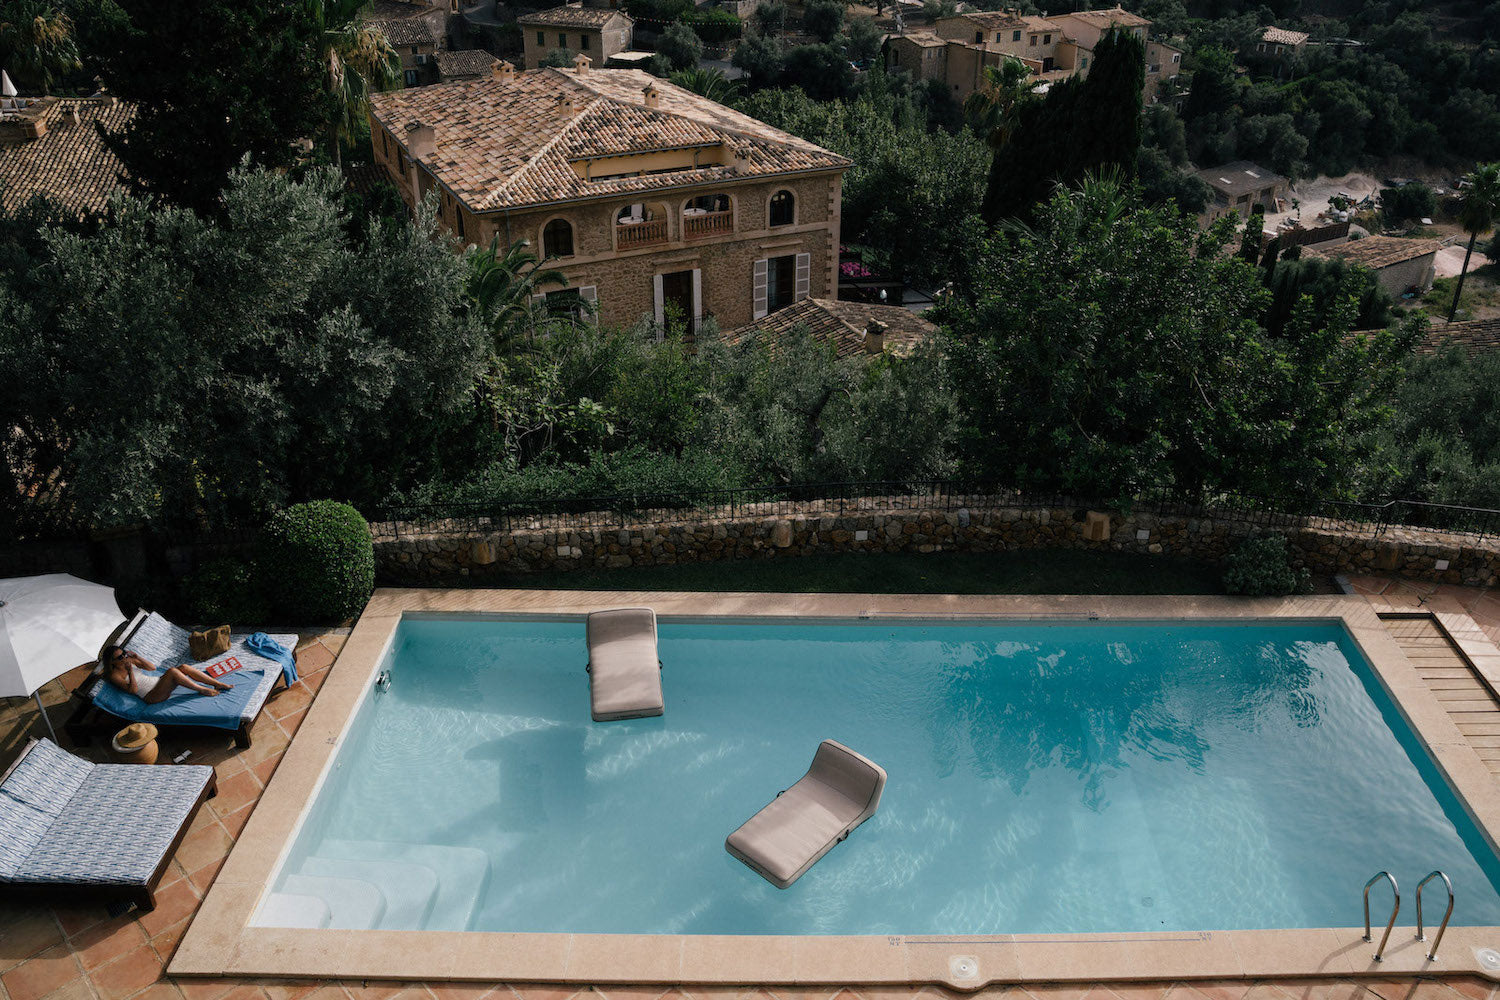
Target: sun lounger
[[840, 791], [103, 709], [624, 670], [79, 830]]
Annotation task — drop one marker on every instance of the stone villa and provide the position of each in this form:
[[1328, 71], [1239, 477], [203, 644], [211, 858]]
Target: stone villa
[[593, 29], [1054, 47], [1239, 186], [649, 199]]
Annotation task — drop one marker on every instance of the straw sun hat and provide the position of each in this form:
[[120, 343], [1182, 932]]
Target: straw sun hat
[[134, 736]]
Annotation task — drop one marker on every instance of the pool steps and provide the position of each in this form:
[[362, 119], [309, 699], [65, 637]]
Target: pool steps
[[361, 885]]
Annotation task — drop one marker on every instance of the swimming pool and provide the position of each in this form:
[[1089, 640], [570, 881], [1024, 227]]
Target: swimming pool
[[1062, 778]]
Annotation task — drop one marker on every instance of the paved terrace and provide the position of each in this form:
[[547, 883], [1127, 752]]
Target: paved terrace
[[80, 953]]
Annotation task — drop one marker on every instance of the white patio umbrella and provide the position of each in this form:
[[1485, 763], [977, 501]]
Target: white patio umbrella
[[48, 625]]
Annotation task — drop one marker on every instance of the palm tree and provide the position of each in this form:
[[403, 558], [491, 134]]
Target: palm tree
[[707, 82], [36, 42], [1477, 214], [356, 58], [995, 106], [502, 285]]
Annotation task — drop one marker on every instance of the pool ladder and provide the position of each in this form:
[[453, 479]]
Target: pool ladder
[[1396, 908]]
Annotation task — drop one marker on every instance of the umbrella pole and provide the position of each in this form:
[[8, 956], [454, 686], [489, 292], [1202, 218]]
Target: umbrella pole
[[38, 696]]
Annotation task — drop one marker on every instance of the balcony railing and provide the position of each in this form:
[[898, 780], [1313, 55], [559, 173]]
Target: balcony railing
[[640, 234], [706, 224]]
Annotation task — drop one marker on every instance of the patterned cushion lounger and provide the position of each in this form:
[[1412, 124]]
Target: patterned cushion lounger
[[93, 831], [164, 644]]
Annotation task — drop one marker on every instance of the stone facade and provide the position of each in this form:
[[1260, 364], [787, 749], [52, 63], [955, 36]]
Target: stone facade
[[541, 35], [873, 525]]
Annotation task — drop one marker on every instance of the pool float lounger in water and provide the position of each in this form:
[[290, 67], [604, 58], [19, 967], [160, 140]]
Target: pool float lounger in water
[[624, 668], [839, 792]]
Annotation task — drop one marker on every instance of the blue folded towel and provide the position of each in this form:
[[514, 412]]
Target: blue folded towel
[[185, 707], [263, 645]]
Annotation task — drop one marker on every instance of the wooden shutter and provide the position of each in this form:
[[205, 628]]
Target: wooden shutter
[[758, 284], [697, 296], [660, 300], [590, 294], [804, 276]]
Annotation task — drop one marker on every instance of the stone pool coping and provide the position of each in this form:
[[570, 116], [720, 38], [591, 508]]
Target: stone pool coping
[[221, 941]]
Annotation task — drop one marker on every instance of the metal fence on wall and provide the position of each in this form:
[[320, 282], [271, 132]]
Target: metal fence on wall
[[813, 500]]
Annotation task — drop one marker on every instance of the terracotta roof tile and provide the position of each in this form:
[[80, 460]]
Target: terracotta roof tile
[[406, 31], [1106, 17], [1473, 337], [69, 163], [572, 16], [464, 62], [1240, 177], [1283, 36], [841, 324], [999, 19], [1380, 251], [508, 144]]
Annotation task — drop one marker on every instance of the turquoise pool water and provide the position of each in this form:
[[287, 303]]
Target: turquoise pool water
[[1043, 779]]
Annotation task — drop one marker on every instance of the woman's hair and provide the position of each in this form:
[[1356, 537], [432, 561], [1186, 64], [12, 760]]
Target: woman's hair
[[107, 654]]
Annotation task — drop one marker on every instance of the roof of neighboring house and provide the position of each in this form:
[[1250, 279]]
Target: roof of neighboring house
[[1106, 17], [572, 16], [1240, 178], [1473, 337], [841, 324], [922, 39], [363, 178], [465, 62], [1380, 251], [998, 19], [405, 30], [504, 144], [68, 163], [1283, 36], [395, 10]]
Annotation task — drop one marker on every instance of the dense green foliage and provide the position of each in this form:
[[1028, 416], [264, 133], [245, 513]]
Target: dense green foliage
[[1260, 567], [1409, 201], [680, 46], [1321, 282], [1115, 349], [823, 19], [911, 195], [228, 590], [37, 44], [1443, 442], [216, 81], [182, 371], [319, 562], [1079, 127], [1402, 91]]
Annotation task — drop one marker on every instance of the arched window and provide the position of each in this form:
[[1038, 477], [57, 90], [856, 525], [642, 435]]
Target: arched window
[[783, 208], [557, 239]]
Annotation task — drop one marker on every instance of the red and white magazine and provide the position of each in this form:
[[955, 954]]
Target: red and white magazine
[[222, 667]]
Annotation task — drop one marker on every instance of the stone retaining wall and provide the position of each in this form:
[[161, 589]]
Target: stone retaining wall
[[888, 526]]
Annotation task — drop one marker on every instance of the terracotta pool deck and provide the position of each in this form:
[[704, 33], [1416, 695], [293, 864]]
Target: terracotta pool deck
[[80, 953]]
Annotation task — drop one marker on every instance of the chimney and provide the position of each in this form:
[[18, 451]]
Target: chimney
[[73, 112], [567, 105], [421, 141], [581, 64], [505, 72], [653, 96], [874, 337], [742, 158]]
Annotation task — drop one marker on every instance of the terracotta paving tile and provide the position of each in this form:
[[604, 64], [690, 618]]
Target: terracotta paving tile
[[372, 990], [235, 822], [290, 701], [1143, 992], [287, 989], [312, 658], [236, 791], [1229, 990], [266, 768], [107, 941], [80, 916], [172, 906], [208, 989], [127, 974], [164, 989], [267, 741], [457, 991], [536, 992], [24, 931], [78, 989], [292, 722], [165, 943], [207, 845], [313, 679], [1066, 992], [204, 877], [1472, 987], [42, 974]]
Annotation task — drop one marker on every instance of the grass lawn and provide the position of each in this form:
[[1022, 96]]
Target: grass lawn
[[1481, 298], [1043, 572]]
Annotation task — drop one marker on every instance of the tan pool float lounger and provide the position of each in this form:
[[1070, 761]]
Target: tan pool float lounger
[[624, 668], [839, 792]]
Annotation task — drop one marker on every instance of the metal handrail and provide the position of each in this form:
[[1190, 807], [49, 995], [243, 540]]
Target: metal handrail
[[1432, 953], [1396, 891]]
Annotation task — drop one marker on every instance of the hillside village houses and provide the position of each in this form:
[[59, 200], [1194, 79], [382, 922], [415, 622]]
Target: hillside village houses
[[1054, 46], [596, 29], [650, 199]]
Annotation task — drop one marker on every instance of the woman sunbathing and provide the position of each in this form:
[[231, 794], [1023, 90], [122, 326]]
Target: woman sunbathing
[[131, 673]]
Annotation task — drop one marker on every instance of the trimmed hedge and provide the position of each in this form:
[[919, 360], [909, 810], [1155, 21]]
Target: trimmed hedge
[[318, 561], [226, 590], [1259, 567]]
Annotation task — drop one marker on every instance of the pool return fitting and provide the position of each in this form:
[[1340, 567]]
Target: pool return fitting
[[1396, 908]]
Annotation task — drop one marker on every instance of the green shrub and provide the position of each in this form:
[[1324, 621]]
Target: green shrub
[[226, 590], [318, 559], [1259, 567]]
